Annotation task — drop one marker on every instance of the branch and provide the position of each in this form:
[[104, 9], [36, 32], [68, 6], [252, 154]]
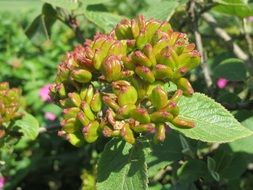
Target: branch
[[227, 38], [71, 22], [199, 44], [74, 25], [248, 39]]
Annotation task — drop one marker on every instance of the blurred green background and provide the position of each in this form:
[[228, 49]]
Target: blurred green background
[[30, 51]]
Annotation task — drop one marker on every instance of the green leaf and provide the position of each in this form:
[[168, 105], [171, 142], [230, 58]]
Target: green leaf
[[122, 166], [29, 126], [231, 69], [39, 30], [163, 154], [104, 20], [191, 171], [94, 2], [211, 166], [52, 108], [18, 5], [245, 144], [238, 8], [162, 10], [230, 164], [213, 123], [66, 4]]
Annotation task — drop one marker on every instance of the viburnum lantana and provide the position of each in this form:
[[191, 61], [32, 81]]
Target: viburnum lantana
[[9, 105], [114, 85]]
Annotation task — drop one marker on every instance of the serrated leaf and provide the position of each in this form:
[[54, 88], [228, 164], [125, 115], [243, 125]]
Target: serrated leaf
[[66, 4], [238, 8], [122, 166], [29, 126], [213, 123], [162, 10], [231, 69], [104, 20]]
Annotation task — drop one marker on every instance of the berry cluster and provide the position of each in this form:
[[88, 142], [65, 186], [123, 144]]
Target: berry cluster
[[114, 85], [9, 105]]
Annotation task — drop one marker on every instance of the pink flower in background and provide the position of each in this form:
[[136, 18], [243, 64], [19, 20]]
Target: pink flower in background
[[222, 83], [44, 93], [50, 116], [2, 182], [250, 18]]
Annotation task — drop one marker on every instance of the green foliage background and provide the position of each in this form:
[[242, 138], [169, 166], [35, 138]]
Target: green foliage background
[[34, 39]]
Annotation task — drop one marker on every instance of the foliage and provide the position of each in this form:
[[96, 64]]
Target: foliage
[[215, 154]]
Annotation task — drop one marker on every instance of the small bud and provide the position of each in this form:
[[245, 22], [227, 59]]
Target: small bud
[[161, 116], [99, 40], [90, 132], [172, 108], [183, 123], [151, 27], [142, 39], [101, 54], [141, 59], [140, 86], [159, 97], [81, 75], [161, 44], [126, 93], [126, 74], [75, 139], [185, 86], [163, 72], [75, 98], [124, 111], [127, 134], [165, 58], [70, 125], [149, 127], [145, 73], [135, 28], [111, 68], [177, 95], [123, 30], [148, 51], [118, 48], [110, 103], [89, 94], [190, 60], [61, 90], [160, 133], [83, 93], [141, 115], [87, 111], [70, 112], [128, 62], [81, 116], [96, 102]]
